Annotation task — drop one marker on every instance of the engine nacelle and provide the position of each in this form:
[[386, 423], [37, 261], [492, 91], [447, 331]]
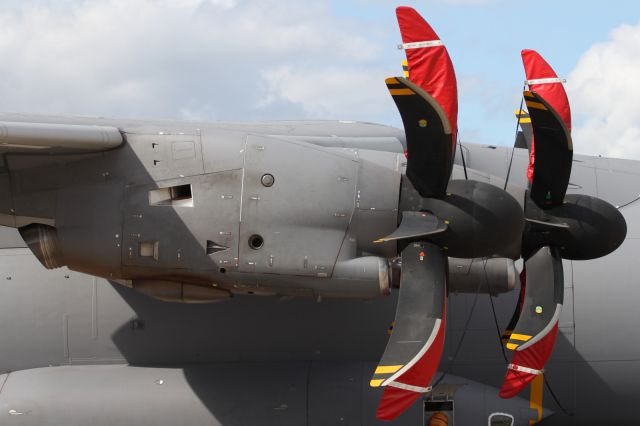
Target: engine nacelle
[[363, 277], [172, 291], [493, 276]]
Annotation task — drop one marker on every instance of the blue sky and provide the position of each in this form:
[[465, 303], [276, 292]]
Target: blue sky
[[485, 38], [246, 60]]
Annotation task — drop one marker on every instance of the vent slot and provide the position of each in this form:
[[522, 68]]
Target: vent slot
[[179, 196], [213, 247], [149, 249]]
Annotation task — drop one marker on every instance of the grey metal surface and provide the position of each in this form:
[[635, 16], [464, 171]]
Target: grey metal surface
[[376, 215], [275, 393], [301, 225], [89, 224], [121, 395], [10, 238], [30, 137], [614, 180], [494, 275], [168, 154], [182, 231]]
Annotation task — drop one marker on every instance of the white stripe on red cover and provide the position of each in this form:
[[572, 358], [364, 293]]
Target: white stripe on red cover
[[420, 44]]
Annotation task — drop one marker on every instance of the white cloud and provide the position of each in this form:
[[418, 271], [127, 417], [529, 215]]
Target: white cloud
[[226, 4], [214, 59], [604, 89], [347, 92]]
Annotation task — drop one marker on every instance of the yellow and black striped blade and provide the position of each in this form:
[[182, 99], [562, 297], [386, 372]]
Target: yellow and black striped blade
[[543, 298], [523, 116], [405, 68], [382, 373], [419, 317], [525, 135], [516, 313], [428, 133]]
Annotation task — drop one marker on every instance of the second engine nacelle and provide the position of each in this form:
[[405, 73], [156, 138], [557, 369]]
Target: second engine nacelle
[[493, 275]]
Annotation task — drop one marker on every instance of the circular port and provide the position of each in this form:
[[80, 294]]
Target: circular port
[[256, 242], [268, 180]]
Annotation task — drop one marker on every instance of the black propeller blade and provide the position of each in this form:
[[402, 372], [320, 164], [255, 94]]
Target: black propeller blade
[[534, 335], [428, 134], [524, 138], [553, 153], [415, 226], [415, 346]]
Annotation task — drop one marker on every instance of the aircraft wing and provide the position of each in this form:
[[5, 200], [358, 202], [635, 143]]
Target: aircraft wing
[[56, 138]]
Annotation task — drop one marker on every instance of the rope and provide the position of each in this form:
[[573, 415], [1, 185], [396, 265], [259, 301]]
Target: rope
[[464, 332], [464, 163]]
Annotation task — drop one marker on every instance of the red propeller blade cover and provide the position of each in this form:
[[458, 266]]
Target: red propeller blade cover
[[406, 389], [552, 90], [430, 67], [534, 358]]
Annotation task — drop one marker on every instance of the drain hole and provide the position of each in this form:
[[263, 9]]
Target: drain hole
[[256, 242]]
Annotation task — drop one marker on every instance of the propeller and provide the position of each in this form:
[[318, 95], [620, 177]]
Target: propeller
[[558, 226], [440, 218]]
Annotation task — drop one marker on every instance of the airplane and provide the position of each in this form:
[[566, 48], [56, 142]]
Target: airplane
[[361, 274]]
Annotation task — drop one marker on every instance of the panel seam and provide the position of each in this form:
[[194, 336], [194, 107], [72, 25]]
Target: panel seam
[[4, 382]]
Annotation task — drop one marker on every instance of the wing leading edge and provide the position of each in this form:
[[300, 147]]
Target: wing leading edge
[[62, 138]]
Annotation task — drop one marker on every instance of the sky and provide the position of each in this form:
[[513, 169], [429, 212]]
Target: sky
[[254, 60]]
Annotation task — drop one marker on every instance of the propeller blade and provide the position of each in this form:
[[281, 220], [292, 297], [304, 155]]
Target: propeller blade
[[553, 153], [534, 335], [524, 138], [428, 132], [414, 349], [516, 313], [543, 80], [415, 225], [429, 64]]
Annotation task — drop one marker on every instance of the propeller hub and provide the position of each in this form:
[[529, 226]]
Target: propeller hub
[[482, 219], [583, 228]]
